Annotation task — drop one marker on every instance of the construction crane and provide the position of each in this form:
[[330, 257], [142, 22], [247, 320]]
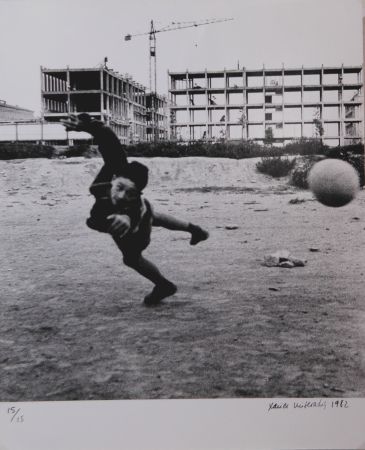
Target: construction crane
[[152, 41], [153, 65]]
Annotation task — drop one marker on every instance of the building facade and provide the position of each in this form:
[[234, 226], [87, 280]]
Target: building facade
[[324, 102], [10, 113], [108, 96]]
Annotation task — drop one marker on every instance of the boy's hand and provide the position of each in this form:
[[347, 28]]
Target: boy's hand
[[120, 224], [75, 123]]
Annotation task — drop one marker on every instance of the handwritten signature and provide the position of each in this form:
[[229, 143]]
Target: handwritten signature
[[309, 404]]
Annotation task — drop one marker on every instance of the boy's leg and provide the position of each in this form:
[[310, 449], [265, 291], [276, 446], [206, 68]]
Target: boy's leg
[[198, 234], [134, 259], [145, 267]]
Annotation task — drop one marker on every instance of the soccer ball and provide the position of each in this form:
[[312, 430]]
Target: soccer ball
[[333, 182]]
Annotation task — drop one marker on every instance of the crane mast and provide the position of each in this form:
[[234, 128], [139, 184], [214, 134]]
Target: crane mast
[[152, 56], [153, 59]]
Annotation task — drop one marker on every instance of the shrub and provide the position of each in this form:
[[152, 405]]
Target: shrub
[[336, 152], [359, 163], [305, 147], [300, 172], [220, 149], [20, 150], [235, 150], [276, 166], [353, 154], [84, 150]]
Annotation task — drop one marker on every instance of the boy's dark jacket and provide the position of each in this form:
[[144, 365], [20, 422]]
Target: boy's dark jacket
[[115, 164]]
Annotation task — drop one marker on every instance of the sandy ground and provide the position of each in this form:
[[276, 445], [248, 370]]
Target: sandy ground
[[72, 321]]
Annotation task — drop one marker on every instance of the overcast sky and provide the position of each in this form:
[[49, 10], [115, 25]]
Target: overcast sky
[[80, 33]]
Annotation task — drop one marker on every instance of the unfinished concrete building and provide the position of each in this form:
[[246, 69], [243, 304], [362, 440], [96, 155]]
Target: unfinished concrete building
[[324, 102], [157, 117], [108, 96]]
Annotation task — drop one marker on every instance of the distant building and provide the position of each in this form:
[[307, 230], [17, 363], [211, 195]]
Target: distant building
[[244, 104], [10, 113], [108, 96], [134, 115]]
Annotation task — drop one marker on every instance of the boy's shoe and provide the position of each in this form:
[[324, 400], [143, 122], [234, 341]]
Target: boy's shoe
[[159, 292], [197, 234]]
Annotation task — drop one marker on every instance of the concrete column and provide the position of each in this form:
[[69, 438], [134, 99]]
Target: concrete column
[[207, 115], [264, 93], [226, 130], [187, 88], [341, 130], [101, 94], [101, 79], [301, 102], [42, 80], [244, 105], [42, 95], [321, 101], [283, 100], [68, 92]]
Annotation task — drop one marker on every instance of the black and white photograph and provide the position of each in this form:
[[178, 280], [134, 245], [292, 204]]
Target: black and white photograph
[[182, 203]]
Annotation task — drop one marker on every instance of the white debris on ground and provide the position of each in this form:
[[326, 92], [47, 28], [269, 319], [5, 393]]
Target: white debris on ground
[[283, 258]]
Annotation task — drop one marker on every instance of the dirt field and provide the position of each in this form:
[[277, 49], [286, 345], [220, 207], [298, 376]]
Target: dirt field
[[72, 321]]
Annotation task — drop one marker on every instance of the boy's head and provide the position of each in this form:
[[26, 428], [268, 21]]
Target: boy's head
[[124, 192], [138, 173]]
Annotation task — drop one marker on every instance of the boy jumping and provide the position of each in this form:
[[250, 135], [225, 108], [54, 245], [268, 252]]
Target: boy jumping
[[122, 211]]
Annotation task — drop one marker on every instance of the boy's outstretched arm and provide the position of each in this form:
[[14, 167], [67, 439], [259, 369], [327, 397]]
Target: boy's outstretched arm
[[110, 148]]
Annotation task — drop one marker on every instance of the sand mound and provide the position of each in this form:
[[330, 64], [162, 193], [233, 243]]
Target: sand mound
[[74, 175]]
